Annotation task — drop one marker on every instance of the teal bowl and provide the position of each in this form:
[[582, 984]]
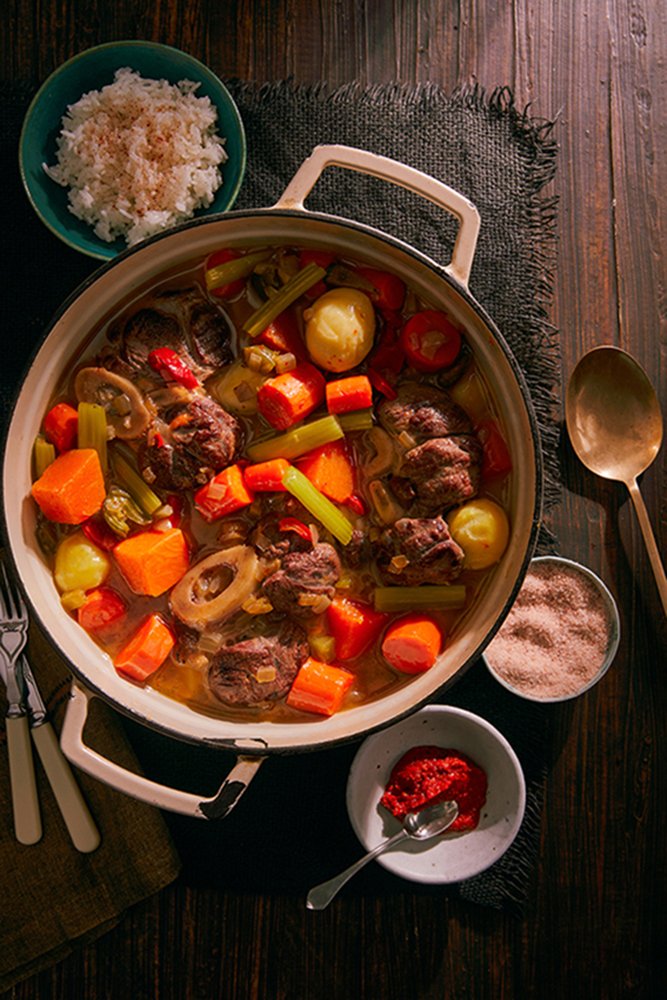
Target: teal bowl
[[92, 70]]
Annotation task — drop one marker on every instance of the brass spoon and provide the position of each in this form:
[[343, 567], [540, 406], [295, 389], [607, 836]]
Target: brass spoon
[[615, 425]]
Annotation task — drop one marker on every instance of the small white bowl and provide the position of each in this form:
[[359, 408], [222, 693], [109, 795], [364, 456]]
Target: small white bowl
[[613, 616], [450, 857]]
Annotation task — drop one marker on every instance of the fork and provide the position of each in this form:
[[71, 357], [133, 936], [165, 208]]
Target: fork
[[13, 637]]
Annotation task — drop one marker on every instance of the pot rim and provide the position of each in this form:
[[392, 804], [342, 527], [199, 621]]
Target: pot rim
[[256, 745]]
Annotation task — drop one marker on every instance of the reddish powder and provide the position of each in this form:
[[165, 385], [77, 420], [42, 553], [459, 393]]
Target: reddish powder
[[555, 638], [426, 775]]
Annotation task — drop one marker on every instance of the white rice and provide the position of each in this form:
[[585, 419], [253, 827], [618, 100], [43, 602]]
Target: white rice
[[138, 156]]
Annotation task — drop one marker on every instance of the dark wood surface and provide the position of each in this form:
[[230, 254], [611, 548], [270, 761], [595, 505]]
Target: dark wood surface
[[594, 922]]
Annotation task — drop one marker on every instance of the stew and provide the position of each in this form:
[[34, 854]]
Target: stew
[[275, 484]]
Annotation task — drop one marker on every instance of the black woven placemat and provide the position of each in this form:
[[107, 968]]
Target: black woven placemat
[[502, 159]]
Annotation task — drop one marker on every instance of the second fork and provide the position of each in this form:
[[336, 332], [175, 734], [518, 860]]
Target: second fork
[[13, 635]]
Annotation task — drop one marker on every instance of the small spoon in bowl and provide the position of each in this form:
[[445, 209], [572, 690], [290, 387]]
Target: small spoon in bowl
[[615, 425], [422, 825]]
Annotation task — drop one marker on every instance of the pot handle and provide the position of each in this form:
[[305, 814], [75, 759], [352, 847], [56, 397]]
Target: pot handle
[[162, 796], [414, 180]]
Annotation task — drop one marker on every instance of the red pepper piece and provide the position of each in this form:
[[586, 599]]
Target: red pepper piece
[[283, 335], [431, 341], [176, 504], [294, 524], [234, 288], [389, 288], [61, 424], [356, 504], [389, 355], [323, 259], [172, 367], [99, 533], [381, 384], [496, 458]]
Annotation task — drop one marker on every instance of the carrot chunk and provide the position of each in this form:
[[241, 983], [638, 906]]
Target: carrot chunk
[[319, 687], [290, 397], [71, 489], [266, 477], [223, 494], [412, 643], [330, 469], [347, 394], [146, 651], [354, 626], [153, 561]]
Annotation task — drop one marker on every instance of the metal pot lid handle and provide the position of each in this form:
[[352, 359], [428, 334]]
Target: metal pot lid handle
[[440, 194], [143, 789]]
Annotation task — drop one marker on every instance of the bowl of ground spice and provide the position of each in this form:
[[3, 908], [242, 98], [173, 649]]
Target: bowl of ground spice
[[560, 636]]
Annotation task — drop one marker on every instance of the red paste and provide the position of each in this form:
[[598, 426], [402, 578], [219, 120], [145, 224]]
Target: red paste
[[428, 774]]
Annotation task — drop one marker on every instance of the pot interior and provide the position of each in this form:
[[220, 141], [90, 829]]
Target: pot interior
[[134, 271]]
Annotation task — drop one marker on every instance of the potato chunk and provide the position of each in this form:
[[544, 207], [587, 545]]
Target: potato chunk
[[340, 326], [481, 528]]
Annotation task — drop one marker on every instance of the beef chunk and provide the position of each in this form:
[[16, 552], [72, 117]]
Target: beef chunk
[[201, 439], [424, 412], [443, 472], [259, 668], [433, 555], [303, 575]]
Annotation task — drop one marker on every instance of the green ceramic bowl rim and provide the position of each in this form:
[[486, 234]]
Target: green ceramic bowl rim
[[138, 43]]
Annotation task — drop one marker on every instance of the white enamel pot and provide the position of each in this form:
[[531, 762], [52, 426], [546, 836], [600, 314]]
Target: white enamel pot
[[445, 286]]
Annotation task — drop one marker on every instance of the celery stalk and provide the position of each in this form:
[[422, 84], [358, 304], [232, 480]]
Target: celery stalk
[[92, 430], [357, 420], [297, 441], [432, 598], [140, 491], [233, 270], [318, 505], [44, 453], [323, 647], [289, 293]]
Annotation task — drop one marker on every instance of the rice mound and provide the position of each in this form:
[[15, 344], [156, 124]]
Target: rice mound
[[138, 156]]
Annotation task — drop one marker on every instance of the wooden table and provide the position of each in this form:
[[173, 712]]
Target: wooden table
[[594, 923]]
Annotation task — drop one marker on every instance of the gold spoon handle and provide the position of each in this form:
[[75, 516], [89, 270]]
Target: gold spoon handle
[[649, 539]]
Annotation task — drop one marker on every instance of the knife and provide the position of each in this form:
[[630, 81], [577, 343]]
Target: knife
[[80, 824]]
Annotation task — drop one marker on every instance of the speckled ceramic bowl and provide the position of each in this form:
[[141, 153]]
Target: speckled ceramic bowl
[[450, 857], [611, 611], [91, 70]]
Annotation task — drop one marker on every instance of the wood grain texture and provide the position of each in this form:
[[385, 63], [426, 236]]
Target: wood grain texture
[[595, 920]]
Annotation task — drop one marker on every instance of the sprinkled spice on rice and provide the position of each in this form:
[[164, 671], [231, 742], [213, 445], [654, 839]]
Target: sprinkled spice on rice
[[138, 156]]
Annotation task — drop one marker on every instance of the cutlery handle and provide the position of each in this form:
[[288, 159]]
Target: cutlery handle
[[27, 819], [80, 824], [650, 542], [320, 897]]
